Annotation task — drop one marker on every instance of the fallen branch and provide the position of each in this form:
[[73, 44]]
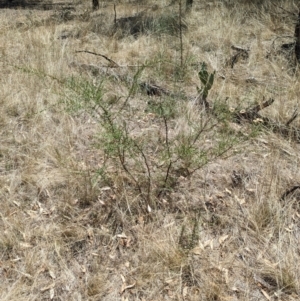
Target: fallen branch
[[284, 130], [150, 89], [252, 113], [154, 90], [114, 64], [241, 53], [288, 192]]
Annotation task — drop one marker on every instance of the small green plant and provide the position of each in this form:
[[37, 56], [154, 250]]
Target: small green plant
[[168, 23], [189, 236], [149, 164], [207, 80]]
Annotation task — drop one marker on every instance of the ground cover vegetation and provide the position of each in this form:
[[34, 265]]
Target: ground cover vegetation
[[149, 150]]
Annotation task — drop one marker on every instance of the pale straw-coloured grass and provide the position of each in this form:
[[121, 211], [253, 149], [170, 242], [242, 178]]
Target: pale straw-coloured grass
[[73, 223]]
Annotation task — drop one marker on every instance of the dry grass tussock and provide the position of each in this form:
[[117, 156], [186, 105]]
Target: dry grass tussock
[[112, 190]]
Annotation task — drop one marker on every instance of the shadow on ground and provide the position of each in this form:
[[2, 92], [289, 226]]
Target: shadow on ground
[[38, 4]]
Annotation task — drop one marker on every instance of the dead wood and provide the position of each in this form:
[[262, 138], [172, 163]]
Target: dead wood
[[121, 75], [252, 113], [150, 89], [241, 53], [289, 192], [115, 17], [297, 38], [154, 90]]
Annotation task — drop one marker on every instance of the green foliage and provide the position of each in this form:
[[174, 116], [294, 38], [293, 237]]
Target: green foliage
[[82, 95], [167, 23], [207, 80], [151, 162], [222, 111], [189, 234], [164, 109]]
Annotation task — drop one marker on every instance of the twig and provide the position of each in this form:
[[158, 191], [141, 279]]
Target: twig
[[294, 116], [180, 34], [297, 38], [262, 106], [203, 128], [98, 54], [217, 156], [168, 147], [169, 155], [115, 19], [134, 84], [148, 171]]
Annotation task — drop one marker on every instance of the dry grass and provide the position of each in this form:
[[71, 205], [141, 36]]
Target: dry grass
[[92, 209]]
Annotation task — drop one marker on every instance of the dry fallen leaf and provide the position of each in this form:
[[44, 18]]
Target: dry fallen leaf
[[127, 264], [16, 259], [101, 202], [141, 220], [122, 235], [197, 250], [74, 202], [289, 228], [225, 271], [90, 233], [52, 275], [51, 293], [228, 191], [126, 287], [32, 214], [46, 288], [123, 278], [26, 275], [240, 201], [184, 292], [25, 245], [105, 188], [83, 269], [265, 294], [210, 243], [169, 280], [223, 238]]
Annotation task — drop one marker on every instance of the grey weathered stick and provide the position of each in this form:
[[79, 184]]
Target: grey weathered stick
[[98, 54]]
